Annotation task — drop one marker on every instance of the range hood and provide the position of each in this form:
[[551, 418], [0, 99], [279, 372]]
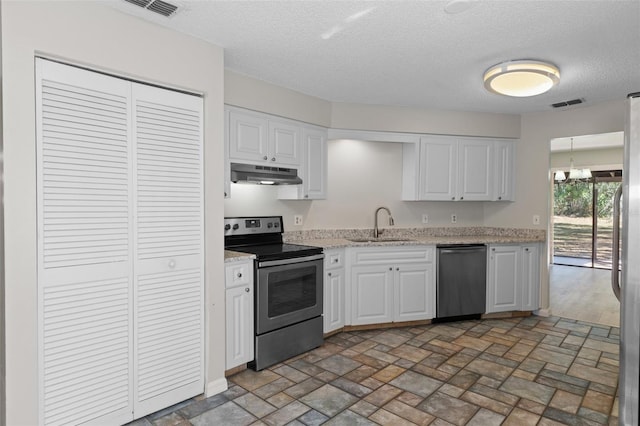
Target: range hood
[[264, 175]]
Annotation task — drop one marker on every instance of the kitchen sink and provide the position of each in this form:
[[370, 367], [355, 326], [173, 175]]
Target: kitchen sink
[[379, 240]]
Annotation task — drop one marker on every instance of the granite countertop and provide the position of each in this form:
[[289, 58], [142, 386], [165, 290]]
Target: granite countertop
[[236, 256], [328, 239]]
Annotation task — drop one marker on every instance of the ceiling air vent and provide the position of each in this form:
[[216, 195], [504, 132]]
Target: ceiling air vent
[[567, 103], [158, 6]]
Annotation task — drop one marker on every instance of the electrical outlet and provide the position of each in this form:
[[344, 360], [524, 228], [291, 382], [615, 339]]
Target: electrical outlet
[[454, 218], [297, 220], [536, 219], [425, 218]]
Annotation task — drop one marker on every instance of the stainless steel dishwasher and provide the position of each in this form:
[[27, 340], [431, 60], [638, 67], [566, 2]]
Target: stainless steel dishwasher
[[461, 281]]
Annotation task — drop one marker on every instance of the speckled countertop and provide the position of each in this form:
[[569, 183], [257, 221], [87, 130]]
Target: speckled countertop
[[236, 256], [340, 238]]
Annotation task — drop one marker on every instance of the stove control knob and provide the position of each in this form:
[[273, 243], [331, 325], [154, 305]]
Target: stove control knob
[[269, 225], [227, 227], [236, 226], [276, 224]]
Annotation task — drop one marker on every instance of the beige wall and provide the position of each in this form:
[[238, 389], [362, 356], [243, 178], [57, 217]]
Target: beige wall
[[91, 34], [533, 161], [361, 177], [415, 120], [258, 95], [596, 159]]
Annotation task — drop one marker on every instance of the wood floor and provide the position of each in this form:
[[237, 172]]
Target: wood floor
[[583, 294]]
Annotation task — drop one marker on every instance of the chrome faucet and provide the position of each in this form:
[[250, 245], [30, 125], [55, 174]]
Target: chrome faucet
[[376, 231]]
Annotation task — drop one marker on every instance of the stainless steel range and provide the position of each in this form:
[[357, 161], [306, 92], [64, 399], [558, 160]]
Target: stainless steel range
[[288, 288]]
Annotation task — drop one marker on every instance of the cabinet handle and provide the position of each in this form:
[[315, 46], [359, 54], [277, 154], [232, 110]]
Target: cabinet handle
[[391, 269], [329, 274], [462, 198], [306, 196], [273, 158], [397, 269], [493, 249], [239, 275], [499, 198], [265, 158], [247, 289], [453, 198], [526, 249], [335, 260]]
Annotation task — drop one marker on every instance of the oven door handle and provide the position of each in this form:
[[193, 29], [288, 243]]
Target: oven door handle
[[290, 261]]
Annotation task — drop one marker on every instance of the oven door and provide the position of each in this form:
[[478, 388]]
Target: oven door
[[288, 291]]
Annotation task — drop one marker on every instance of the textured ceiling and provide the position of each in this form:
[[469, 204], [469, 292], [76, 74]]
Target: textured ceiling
[[414, 53]]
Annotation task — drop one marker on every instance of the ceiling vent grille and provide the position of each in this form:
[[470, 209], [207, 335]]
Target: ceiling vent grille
[[158, 6], [567, 103]]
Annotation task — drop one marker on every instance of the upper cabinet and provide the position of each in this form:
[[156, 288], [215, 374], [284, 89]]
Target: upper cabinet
[[313, 169], [260, 139], [444, 168]]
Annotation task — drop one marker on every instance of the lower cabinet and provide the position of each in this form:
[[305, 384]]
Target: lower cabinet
[[334, 290], [239, 313], [392, 285], [513, 282]]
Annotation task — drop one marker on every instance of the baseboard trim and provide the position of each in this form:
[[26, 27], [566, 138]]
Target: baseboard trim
[[215, 387], [546, 312]]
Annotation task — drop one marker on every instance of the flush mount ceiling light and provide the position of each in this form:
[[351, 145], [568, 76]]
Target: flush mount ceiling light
[[521, 78]]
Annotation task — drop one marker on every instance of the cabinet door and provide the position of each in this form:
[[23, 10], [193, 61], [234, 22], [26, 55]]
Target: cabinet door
[[284, 143], [315, 164], [503, 158], [438, 169], [414, 286], [503, 286], [372, 294], [334, 299], [248, 137], [530, 277], [239, 325], [475, 175], [227, 169]]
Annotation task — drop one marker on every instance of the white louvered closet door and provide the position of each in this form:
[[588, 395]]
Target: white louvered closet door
[[85, 246], [169, 250], [120, 246]]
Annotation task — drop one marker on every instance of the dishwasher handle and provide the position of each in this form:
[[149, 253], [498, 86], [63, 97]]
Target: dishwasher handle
[[458, 249]]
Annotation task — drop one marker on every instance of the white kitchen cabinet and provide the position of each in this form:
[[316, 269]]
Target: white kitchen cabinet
[[392, 284], [448, 168], [475, 173], [372, 294], [227, 168], [334, 290], [513, 282], [503, 283], [445, 168], [414, 295], [530, 277], [504, 176], [313, 169], [263, 139], [120, 252], [239, 313]]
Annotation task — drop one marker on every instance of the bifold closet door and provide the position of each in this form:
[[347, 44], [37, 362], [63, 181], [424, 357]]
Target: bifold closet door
[[85, 246], [169, 251], [120, 246]]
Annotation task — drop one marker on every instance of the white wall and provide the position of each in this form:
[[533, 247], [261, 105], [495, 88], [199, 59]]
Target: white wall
[[92, 34]]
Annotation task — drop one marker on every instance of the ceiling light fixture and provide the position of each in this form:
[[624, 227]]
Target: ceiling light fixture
[[521, 78]]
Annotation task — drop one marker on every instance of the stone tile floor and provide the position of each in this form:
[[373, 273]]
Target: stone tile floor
[[516, 371]]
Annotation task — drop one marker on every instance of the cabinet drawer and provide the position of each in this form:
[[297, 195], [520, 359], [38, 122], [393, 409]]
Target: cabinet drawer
[[396, 255], [238, 273], [333, 259]]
